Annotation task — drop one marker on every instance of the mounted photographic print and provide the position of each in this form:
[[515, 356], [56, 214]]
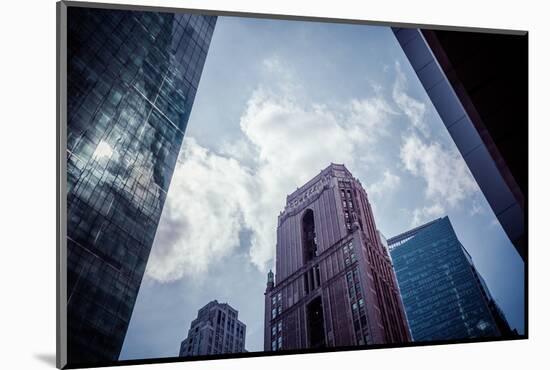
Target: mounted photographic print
[[235, 185]]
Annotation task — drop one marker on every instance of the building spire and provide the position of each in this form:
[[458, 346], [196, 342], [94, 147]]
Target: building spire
[[270, 280]]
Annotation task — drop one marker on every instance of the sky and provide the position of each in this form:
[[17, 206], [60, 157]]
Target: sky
[[279, 101]]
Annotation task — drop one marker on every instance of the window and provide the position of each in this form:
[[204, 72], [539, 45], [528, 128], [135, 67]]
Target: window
[[280, 326], [274, 345], [273, 300], [345, 204], [273, 313], [279, 297], [280, 342], [361, 302], [309, 243], [273, 330]]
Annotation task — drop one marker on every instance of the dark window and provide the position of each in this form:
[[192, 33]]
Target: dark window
[[309, 242], [317, 274], [316, 325]]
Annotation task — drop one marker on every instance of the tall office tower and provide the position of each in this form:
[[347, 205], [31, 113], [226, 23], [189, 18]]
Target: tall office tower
[[132, 78], [215, 330], [334, 282], [444, 296]]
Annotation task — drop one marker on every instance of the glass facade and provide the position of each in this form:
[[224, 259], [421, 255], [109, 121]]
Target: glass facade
[[441, 290], [132, 78]]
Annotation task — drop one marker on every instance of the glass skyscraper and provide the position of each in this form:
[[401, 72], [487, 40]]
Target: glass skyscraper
[[443, 294], [131, 79]]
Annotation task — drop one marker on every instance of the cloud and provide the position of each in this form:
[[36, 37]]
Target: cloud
[[200, 223], [414, 109], [447, 178], [477, 208], [449, 182], [388, 183], [368, 119], [424, 214]]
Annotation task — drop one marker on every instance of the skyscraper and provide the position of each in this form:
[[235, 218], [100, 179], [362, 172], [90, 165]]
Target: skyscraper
[[334, 282], [132, 77], [444, 296], [216, 330]]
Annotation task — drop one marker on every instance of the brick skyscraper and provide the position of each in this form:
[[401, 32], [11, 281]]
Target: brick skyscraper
[[335, 284], [215, 330]]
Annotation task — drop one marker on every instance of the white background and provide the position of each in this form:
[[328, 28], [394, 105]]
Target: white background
[[27, 168]]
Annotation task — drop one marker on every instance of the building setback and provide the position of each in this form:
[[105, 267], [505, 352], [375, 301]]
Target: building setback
[[216, 330], [444, 296], [334, 284], [132, 77]]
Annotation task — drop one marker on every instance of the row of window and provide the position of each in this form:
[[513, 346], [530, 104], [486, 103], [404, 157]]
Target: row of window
[[357, 303], [277, 343], [312, 279], [347, 203], [349, 253], [276, 305], [276, 328]]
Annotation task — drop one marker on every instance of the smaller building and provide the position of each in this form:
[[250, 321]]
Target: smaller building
[[216, 330]]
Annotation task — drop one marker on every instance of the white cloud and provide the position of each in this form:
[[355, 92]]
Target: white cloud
[[241, 150], [477, 208], [368, 119], [388, 183], [447, 178], [427, 213], [200, 223], [414, 109]]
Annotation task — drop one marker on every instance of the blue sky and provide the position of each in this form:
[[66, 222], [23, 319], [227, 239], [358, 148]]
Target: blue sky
[[277, 102]]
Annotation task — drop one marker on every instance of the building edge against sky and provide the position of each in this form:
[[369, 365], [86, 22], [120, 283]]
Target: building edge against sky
[[445, 298], [130, 93], [468, 78], [216, 330], [334, 284]]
